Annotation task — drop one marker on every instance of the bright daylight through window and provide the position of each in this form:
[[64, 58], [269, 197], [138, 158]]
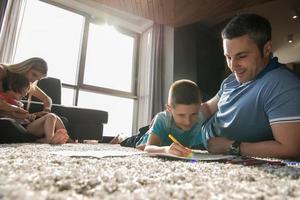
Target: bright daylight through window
[[106, 63]]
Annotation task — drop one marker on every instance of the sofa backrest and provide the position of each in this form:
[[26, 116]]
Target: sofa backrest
[[52, 87]]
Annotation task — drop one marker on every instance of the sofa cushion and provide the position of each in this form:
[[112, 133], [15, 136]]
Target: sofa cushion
[[13, 132]]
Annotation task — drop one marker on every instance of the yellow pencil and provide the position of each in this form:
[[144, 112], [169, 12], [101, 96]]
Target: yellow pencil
[[176, 141], [173, 139]]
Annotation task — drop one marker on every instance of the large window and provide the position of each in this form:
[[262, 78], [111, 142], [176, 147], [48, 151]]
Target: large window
[[119, 109], [53, 34], [110, 54], [96, 62]]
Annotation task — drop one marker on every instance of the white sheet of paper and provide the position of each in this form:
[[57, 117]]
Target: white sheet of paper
[[97, 154], [197, 155]]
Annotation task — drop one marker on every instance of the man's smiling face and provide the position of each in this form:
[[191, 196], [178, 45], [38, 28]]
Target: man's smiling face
[[244, 58]]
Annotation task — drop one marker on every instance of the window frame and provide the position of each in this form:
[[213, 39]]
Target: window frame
[[79, 84]]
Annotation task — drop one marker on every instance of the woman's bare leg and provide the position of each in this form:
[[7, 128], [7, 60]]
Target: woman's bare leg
[[61, 130], [59, 124], [44, 126]]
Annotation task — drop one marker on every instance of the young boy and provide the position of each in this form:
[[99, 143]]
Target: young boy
[[48, 127], [182, 119]]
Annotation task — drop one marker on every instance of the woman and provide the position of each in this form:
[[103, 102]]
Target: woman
[[33, 69], [47, 127]]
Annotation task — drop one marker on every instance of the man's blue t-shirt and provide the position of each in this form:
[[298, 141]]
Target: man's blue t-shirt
[[247, 111], [164, 124]]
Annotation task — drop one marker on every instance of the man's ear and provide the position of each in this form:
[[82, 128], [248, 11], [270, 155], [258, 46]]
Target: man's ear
[[267, 49]]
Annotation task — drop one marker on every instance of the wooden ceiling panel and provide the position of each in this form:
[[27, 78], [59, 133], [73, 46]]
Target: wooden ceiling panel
[[145, 9], [196, 10], [179, 12]]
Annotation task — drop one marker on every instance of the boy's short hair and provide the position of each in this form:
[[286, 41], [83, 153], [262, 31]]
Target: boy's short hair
[[184, 92], [257, 27], [15, 82]]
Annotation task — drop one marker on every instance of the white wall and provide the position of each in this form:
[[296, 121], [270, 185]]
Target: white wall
[[279, 14], [168, 60]]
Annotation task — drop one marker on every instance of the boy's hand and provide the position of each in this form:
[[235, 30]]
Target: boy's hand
[[179, 150]]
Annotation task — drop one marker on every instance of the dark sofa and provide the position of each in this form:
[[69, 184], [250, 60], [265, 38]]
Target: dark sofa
[[81, 123]]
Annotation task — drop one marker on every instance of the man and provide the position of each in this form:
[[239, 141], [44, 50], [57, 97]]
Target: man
[[257, 109]]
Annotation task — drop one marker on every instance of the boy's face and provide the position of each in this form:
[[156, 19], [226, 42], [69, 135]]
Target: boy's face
[[184, 116]]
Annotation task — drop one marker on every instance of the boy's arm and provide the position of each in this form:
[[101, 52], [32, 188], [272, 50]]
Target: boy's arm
[[153, 146]]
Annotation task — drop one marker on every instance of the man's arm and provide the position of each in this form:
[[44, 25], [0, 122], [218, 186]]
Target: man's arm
[[286, 143], [209, 107]]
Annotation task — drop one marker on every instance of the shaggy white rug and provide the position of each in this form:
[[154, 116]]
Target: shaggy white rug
[[31, 171]]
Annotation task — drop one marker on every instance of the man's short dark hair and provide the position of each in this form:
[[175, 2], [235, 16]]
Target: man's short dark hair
[[257, 27], [184, 92]]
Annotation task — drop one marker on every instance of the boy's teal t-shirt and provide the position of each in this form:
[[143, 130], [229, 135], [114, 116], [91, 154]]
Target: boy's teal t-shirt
[[164, 124]]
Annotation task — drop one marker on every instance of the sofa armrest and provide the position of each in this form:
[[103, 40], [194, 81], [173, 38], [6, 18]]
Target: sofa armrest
[[81, 115]]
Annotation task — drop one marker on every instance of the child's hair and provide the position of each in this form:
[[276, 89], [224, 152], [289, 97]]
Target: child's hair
[[15, 82], [184, 92]]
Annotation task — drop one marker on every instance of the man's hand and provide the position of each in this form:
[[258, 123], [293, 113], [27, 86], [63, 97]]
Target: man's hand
[[219, 145]]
